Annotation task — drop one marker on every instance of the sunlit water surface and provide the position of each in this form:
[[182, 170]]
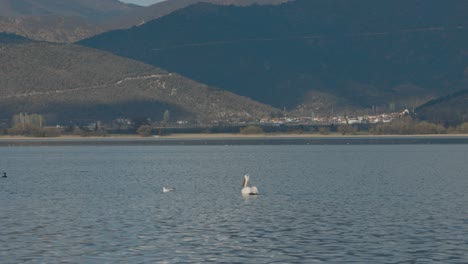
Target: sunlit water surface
[[330, 204]]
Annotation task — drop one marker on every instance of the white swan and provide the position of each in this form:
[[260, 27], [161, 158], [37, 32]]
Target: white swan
[[246, 190], [167, 189]]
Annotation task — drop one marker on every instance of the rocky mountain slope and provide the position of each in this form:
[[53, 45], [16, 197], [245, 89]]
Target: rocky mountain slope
[[90, 9], [50, 28], [68, 83], [58, 20]]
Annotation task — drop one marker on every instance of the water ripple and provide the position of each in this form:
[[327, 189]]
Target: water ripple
[[318, 204]]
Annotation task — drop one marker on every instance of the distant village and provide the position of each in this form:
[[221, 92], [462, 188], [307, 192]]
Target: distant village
[[36, 124], [328, 120], [125, 123]]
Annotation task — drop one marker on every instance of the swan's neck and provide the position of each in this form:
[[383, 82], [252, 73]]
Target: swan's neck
[[244, 183]]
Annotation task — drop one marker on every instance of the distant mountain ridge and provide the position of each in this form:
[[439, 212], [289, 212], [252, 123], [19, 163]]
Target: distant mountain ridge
[[306, 56], [72, 20], [90, 9], [357, 54], [50, 28], [58, 20], [140, 16]]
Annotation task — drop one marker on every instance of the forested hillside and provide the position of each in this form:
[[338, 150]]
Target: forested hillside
[[449, 110], [73, 20], [320, 56]]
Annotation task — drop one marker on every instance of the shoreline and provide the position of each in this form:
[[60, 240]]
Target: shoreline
[[227, 135], [236, 139]]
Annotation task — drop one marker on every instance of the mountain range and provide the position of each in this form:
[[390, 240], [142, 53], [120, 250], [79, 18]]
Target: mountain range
[[310, 56], [229, 60], [72, 20]]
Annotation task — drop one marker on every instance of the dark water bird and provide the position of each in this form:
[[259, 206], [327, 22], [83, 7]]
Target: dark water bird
[[4, 175]]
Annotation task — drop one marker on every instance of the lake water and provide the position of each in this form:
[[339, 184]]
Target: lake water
[[318, 204]]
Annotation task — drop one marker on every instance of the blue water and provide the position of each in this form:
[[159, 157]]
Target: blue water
[[318, 204]]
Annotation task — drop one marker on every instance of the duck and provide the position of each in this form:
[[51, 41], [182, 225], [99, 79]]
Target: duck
[[4, 175], [168, 189], [246, 190]]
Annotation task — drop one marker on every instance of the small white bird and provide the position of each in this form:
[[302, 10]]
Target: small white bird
[[246, 190], [168, 189]]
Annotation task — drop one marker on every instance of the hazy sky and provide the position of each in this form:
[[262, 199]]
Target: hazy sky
[[142, 2]]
